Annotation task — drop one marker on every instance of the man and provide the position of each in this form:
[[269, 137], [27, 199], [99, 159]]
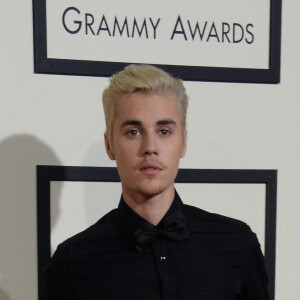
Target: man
[[153, 246]]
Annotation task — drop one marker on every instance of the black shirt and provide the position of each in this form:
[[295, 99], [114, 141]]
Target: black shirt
[[219, 260]]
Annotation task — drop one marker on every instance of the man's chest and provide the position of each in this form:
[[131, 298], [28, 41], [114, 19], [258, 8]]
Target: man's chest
[[171, 272]]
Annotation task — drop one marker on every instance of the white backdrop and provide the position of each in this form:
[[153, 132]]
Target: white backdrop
[[49, 119]]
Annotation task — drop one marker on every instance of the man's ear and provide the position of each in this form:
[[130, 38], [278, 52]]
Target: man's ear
[[184, 144], [108, 146]]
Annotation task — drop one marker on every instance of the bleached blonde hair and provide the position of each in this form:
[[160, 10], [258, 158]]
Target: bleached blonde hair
[[146, 79]]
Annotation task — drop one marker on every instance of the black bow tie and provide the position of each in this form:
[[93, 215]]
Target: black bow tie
[[173, 227]]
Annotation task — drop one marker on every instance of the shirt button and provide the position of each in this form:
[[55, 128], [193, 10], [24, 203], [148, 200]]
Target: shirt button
[[163, 259]]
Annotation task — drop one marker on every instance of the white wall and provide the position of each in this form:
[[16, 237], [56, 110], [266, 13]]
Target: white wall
[[49, 119]]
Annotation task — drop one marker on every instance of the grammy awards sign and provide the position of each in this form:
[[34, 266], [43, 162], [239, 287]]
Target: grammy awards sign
[[211, 40]]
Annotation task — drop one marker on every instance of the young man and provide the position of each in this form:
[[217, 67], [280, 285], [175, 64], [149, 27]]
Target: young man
[[153, 246]]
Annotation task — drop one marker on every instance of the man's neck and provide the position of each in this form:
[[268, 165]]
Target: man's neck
[[153, 208]]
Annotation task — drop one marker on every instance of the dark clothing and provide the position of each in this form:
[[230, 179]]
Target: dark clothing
[[219, 258]]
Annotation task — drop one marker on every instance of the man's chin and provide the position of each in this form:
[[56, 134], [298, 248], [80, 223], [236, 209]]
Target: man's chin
[[150, 192]]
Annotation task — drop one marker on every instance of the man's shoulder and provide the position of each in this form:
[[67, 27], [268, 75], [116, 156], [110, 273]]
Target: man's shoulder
[[103, 230], [200, 219]]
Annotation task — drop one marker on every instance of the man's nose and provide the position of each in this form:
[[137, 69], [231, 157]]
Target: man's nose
[[149, 145]]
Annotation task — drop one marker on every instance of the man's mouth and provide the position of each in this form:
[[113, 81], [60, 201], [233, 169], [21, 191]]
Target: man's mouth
[[150, 168]]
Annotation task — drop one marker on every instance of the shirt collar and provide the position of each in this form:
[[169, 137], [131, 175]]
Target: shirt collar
[[131, 219]]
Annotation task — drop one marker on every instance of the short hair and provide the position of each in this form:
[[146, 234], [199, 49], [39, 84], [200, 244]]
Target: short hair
[[146, 79]]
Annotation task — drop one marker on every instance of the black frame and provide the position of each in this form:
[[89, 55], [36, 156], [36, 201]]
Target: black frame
[[46, 174], [43, 64]]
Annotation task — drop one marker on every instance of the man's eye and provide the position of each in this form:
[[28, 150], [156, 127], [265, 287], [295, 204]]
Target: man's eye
[[133, 132], [164, 132]]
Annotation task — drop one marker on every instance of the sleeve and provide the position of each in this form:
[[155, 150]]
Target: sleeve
[[55, 279], [256, 281]]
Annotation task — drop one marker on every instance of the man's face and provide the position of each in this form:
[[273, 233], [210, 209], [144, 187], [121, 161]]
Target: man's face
[[147, 143]]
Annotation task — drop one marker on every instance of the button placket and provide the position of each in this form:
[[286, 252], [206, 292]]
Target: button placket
[[164, 269]]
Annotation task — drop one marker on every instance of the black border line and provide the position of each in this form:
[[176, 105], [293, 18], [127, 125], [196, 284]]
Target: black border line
[[46, 174], [45, 65]]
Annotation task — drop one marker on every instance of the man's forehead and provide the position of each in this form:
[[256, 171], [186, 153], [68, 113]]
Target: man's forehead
[[144, 109]]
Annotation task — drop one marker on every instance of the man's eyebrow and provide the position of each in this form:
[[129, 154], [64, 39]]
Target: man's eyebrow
[[131, 122], [165, 122], [139, 123]]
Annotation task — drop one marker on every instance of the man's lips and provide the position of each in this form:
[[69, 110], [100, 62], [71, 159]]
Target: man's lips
[[151, 168]]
